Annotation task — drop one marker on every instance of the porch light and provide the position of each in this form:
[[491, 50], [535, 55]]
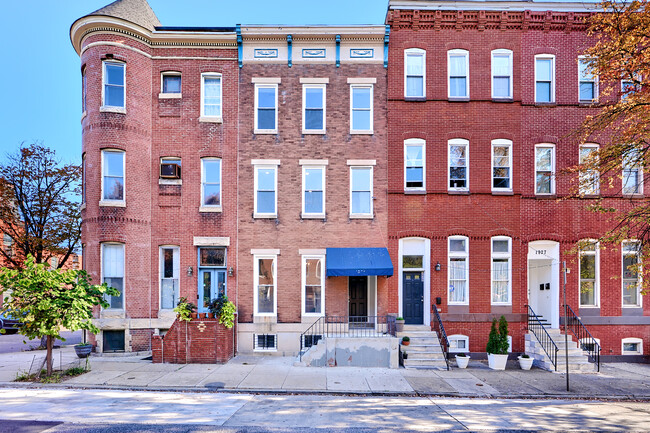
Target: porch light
[[437, 266], [189, 271]]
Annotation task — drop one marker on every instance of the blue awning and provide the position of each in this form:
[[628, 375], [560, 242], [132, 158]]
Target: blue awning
[[349, 262]]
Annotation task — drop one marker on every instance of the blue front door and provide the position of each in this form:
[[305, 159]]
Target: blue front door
[[212, 284], [413, 298]]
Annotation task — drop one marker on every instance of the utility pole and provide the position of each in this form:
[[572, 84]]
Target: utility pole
[[566, 334]]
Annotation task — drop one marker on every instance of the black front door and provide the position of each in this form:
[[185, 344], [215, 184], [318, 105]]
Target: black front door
[[413, 298], [358, 287]]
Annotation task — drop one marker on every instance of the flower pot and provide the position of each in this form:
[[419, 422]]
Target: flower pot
[[405, 355], [193, 315], [497, 362], [210, 315], [462, 361], [399, 325], [405, 343], [83, 350], [525, 363], [202, 315]]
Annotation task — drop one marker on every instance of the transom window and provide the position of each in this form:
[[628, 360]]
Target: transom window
[[211, 182], [265, 285], [113, 175], [502, 74], [501, 270], [211, 95], [361, 112], [414, 73], [313, 181], [502, 165], [545, 78], [169, 277], [589, 176], [631, 276], [266, 183], [544, 169], [113, 272], [458, 267], [458, 70], [313, 285], [171, 82], [114, 84], [588, 273], [414, 161], [361, 191], [458, 165], [587, 82], [313, 108]]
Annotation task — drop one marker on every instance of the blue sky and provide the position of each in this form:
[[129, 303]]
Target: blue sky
[[41, 76]]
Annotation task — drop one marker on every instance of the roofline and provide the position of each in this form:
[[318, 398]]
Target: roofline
[[316, 30], [195, 29], [510, 5]]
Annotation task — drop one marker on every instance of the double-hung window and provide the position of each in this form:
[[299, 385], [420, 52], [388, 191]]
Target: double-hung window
[[629, 86], [501, 165], [587, 81], [313, 285], [501, 271], [545, 78], [414, 165], [589, 270], [414, 73], [265, 278], [544, 169], [361, 110], [170, 83], [631, 273], [113, 90], [313, 191], [458, 165], [266, 186], [266, 108], [458, 70], [589, 179], [313, 108], [361, 192], [211, 102], [632, 173], [170, 270], [210, 184], [112, 177], [113, 272], [501, 74], [458, 277]]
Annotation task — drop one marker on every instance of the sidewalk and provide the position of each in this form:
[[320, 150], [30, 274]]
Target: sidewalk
[[278, 375]]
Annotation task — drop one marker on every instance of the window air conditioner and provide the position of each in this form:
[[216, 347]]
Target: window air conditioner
[[170, 171]]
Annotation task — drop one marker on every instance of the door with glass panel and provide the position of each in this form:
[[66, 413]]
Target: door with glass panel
[[212, 276]]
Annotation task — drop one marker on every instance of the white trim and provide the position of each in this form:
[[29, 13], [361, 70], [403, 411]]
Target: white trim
[[101, 275], [502, 143], [371, 213], [271, 349], [303, 262], [170, 95], [265, 162], [461, 255], [362, 162], [323, 88], [594, 80], [407, 247], [499, 255], [632, 340], [311, 80], [501, 53], [307, 161], [274, 268], [584, 176], [258, 86], [456, 338], [209, 241], [362, 80], [303, 191], [266, 80], [638, 166], [458, 142], [108, 202], [202, 205], [414, 142], [596, 254], [265, 252], [113, 108], [550, 57], [423, 54], [164, 95], [256, 169], [312, 251], [639, 296], [176, 261], [458, 53], [552, 182], [203, 116], [371, 89]]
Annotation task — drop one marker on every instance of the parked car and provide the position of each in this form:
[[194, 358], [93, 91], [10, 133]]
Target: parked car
[[9, 324]]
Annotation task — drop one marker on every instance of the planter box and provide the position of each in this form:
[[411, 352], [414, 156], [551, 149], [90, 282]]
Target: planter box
[[399, 325], [497, 362], [462, 361], [83, 350]]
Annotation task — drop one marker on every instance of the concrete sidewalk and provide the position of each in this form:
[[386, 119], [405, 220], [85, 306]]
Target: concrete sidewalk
[[278, 374]]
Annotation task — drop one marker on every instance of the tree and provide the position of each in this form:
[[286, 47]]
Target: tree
[[498, 338], [39, 206], [48, 301]]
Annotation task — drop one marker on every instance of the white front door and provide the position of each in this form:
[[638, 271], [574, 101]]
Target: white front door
[[544, 281]]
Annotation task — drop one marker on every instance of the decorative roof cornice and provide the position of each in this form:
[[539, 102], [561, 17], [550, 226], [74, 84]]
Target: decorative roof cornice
[[496, 5]]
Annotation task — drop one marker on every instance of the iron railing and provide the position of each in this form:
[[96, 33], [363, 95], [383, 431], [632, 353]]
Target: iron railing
[[586, 341], [543, 337], [347, 326], [442, 336]]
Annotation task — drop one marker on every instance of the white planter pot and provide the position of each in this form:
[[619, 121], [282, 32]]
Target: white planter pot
[[525, 363], [497, 362], [462, 361]]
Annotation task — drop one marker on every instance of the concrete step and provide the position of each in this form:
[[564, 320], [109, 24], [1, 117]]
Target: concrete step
[[416, 334], [422, 348], [425, 342], [424, 363], [425, 355], [416, 328]]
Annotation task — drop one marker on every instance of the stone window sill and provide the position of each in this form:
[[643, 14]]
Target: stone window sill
[[119, 110], [214, 119], [210, 209], [111, 203], [170, 181], [170, 95]]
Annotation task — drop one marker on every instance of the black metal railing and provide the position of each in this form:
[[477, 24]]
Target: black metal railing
[[543, 337], [586, 341], [442, 335], [347, 326]]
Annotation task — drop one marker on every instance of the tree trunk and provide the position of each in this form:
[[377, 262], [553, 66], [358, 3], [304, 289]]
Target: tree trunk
[[50, 343]]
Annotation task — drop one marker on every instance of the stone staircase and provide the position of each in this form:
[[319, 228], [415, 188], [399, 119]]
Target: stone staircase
[[424, 350], [578, 359]]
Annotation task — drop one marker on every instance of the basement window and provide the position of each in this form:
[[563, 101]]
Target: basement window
[[458, 343], [265, 342], [113, 341], [632, 346]]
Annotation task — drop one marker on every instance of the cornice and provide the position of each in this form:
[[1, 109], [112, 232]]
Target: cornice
[[496, 5]]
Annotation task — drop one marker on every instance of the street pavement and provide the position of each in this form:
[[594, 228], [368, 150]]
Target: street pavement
[[14, 342]]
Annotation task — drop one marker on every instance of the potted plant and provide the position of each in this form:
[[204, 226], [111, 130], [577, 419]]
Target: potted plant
[[406, 341], [525, 362], [462, 360], [83, 350], [399, 324], [185, 310], [497, 346], [405, 355], [224, 310]]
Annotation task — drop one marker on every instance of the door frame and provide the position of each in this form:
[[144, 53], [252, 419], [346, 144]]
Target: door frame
[[367, 294], [411, 271], [416, 246], [545, 250]]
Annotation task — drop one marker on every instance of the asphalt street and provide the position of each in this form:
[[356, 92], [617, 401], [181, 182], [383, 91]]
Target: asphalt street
[[14, 342]]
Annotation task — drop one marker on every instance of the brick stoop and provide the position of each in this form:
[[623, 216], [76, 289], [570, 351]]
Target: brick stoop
[[199, 341]]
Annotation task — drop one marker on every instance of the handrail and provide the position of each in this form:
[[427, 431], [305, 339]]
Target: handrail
[[318, 324], [545, 340], [442, 336], [580, 331]]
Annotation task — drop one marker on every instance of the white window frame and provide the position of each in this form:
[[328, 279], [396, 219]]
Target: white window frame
[[271, 349], [372, 182], [371, 109], [101, 277], [274, 266], [110, 202], [323, 87], [550, 57], [265, 86], [306, 167], [416, 52], [594, 80], [636, 165], [211, 207], [256, 168], [502, 143], [414, 142], [632, 340], [501, 53], [458, 142], [456, 53], [639, 297], [595, 253], [176, 260], [114, 108], [453, 343], [303, 263], [455, 254], [215, 118], [552, 180], [500, 255], [583, 175], [164, 94]]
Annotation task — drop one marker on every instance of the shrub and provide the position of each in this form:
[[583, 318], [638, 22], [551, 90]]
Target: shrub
[[498, 338]]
